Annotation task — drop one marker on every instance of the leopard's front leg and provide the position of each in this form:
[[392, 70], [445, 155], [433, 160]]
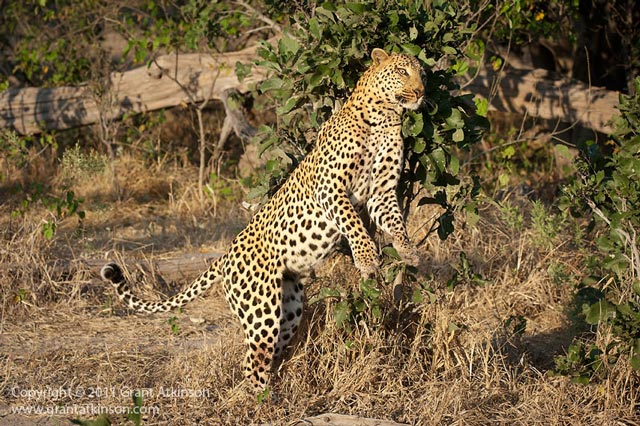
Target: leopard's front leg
[[338, 208], [382, 204]]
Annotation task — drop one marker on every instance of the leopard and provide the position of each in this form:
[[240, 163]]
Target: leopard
[[354, 166]]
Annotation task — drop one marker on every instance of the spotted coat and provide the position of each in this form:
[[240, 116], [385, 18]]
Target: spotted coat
[[355, 163]]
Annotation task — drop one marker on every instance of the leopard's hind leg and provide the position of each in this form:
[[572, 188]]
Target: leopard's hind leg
[[292, 307], [256, 299]]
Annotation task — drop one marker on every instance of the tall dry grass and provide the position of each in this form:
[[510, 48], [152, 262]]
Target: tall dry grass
[[458, 357]]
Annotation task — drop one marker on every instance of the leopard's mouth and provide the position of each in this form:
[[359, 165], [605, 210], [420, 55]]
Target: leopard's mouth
[[411, 103]]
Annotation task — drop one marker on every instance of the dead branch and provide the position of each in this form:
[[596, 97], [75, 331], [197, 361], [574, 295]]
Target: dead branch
[[331, 419]]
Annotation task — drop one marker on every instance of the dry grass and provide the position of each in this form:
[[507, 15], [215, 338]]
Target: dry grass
[[451, 359]]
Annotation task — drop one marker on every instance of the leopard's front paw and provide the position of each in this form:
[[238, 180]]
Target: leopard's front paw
[[409, 254], [368, 266]]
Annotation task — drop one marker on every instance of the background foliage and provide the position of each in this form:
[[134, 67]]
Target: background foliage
[[606, 190]]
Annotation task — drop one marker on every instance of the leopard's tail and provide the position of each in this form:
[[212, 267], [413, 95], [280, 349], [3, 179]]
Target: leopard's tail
[[113, 273]]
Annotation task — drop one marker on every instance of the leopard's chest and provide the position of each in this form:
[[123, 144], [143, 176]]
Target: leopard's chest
[[360, 188], [361, 172]]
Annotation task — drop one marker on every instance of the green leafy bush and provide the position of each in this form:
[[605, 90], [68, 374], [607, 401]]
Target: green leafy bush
[[316, 64], [193, 25], [523, 21], [608, 191], [61, 207]]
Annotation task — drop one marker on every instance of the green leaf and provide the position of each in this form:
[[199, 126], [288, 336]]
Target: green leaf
[[418, 125], [635, 362], [508, 152], [264, 395], [336, 78], [454, 120], [580, 380], [472, 215], [341, 313], [482, 106], [454, 165], [48, 230], [438, 159], [458, 135], [419, 145], [563, 151], [448, 50], [600, 312], [391, 252], [376, 311], [476, 49], [243, 70], [325, 293], [369, 290], [411, 49], [271, 84], [314, 29], [135, 415], [288, 46], [416, 296], [413, 33], [357, 8], [101, 420], [447, 38], [460, 67], [326, 10], [445, 228], [289, 105]]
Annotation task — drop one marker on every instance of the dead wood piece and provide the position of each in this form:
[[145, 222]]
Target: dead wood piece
[[544, 94], [235, 119], [170, 80], [189, 78]]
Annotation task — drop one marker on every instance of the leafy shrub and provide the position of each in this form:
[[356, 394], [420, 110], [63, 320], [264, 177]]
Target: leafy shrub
[[46, 41], [316, 64], [608, 191], [523, 21], [193, 25], [77, 165]]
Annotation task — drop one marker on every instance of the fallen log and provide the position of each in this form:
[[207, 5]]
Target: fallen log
[[170, 80], [187, 78], [545, 94]]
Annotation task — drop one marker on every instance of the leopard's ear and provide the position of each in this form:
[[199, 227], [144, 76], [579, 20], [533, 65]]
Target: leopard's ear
[[378, 55]]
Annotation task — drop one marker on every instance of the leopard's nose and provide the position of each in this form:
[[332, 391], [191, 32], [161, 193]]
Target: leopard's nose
[[419, 95]]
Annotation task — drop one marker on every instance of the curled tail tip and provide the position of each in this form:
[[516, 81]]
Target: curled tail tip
[[111, 272]]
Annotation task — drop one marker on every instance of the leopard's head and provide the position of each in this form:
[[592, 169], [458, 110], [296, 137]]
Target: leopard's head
[[396, 79]]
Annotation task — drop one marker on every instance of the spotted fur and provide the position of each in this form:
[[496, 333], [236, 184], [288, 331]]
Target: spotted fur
[[356, 162]]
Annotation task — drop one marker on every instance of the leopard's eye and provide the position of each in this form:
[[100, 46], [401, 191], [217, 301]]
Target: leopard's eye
[[403, 72]]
